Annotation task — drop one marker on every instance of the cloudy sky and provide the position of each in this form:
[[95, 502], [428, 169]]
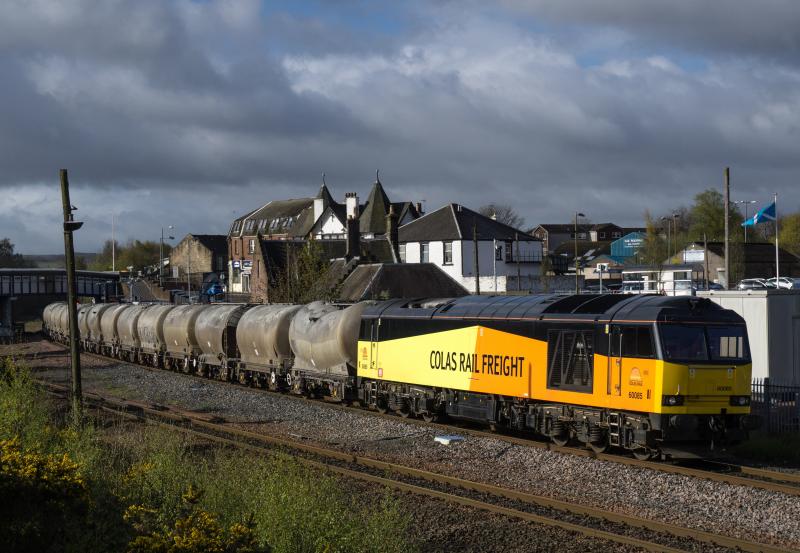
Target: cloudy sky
[[192, 112]]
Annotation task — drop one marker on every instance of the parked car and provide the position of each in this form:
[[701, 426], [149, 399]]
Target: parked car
[[784, 282], [752, 284]]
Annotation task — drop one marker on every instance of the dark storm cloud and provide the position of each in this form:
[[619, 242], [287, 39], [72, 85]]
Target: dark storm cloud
[[769, 28], [190, 113]]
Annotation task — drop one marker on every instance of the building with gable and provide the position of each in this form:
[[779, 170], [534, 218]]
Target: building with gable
[[508, 258]]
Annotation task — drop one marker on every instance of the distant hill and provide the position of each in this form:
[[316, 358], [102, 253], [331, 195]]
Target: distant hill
[[56, 261]]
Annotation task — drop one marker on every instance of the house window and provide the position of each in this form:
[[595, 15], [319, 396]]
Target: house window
[[448, 253], [424, 252], [249, 226], [498, 252], [601, 235], [402, 248], [616, 235], [509, 252], [251, 246]]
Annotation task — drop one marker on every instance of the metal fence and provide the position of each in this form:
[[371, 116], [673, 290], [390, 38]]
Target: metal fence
[[777, 404]]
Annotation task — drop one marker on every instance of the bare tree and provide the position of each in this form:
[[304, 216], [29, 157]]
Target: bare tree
[[503, 213]]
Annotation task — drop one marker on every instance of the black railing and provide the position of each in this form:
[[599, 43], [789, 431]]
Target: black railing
[[777, 404]]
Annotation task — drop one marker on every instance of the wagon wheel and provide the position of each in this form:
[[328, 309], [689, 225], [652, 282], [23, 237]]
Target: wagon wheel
[[381, 405], [560, 439], [405, 410]]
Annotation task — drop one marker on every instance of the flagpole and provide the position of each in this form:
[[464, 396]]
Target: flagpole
[[777, 258]]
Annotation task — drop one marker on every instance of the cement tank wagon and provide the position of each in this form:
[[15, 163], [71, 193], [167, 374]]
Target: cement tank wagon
[[62, 322], [215, 329], [83, 322], [128, 331], [151, 332], [93, 317], [108, 328], [263, 337], [179, 332], [324, 338]]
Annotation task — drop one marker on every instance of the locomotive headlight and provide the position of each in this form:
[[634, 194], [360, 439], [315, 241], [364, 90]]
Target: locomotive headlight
[[672, 401], [740, 401]]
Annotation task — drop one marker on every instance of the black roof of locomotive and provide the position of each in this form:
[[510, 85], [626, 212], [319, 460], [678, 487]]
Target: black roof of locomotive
[[559, 307]]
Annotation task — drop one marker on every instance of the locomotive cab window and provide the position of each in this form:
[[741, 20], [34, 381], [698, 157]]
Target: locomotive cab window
[[570, 360], [632, 341]]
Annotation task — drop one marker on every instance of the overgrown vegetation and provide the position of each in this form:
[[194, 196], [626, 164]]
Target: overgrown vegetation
[[135, 253], [113, 487], [307, 276]]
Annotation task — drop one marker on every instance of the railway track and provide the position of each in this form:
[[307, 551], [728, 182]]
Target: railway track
[[595, 523], [718, 471]]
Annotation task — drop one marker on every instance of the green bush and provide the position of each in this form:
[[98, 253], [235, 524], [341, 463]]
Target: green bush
[[114, 487]]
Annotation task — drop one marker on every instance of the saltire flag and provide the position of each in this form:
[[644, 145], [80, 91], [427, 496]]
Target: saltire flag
[[766, 213]]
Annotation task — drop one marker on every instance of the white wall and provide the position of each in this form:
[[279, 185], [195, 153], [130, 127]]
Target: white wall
[[329, 225], [462, 268]]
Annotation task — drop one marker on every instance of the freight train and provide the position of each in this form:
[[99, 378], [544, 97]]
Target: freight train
[[643, 373]]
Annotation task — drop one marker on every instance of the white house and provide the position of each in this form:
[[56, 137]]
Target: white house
[[508, 258]]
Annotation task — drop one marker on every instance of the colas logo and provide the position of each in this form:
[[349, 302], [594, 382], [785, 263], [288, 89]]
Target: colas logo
[[635, 378]]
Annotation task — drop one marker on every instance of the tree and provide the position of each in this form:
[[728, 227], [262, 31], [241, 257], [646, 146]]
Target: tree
[[708, 218], [9, 259], [503, 213], [135, 253], [789, 233], [653, 250], [306, 276]]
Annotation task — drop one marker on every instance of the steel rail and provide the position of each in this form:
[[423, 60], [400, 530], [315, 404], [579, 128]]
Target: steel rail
[[202, 425], [773, 481]]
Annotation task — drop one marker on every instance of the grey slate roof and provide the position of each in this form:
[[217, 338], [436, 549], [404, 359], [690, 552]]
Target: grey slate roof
[[398, 280], [455, 222], [373, 216], [217, 243]]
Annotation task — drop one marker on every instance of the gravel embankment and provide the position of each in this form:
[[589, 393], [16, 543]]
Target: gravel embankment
[[743, 512]]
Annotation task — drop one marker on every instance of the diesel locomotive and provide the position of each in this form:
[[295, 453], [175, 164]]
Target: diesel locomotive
[[649, 374]]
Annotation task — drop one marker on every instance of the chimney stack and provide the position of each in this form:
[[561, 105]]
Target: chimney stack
[[419, 208], [351, 205], [353, 248]]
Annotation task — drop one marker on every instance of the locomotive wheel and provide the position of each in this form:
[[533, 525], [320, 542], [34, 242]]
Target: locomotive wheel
[[599, 447], [381, 406], [642, 453], [429, 417]]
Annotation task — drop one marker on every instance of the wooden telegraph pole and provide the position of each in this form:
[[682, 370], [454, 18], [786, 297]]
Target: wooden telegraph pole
[[475, 257], [70, 226]]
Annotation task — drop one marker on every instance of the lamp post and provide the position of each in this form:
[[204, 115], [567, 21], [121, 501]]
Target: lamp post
[[577, 285], [669, 238], [675, 234], [745, 203], [161, 256]]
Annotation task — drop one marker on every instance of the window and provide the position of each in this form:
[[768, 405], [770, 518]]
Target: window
[[632, 341], [498, 252], [616, 234], [448, 253], [727, 342], [424, 252], [402, 248], [509, 252], [684, 343], [570, 360], [601, 235], [249, 226], [251, 247]]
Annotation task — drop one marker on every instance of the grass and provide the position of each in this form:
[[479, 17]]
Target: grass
[[147, 489]]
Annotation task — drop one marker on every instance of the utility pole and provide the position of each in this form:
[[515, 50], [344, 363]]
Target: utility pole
[[705, 257], [727, 236], [475, 257], [113, 246], [70, 225], [519, 275]]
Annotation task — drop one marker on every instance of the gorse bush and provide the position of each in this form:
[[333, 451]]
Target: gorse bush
[[114, 487]]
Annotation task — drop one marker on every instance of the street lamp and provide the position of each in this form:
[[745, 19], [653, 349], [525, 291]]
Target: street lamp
[[577, 286], [746, 203], [161, 257], [669, 239]]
